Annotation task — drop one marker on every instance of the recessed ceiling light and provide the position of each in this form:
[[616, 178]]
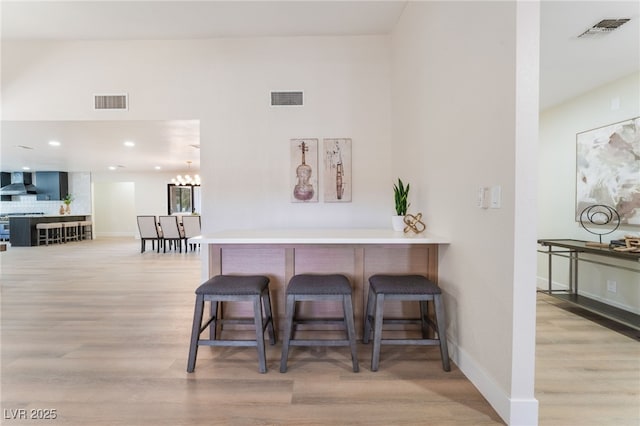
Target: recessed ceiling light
[[112, 167], [157, 167], [129, 144], [54, 143], [26, 168]]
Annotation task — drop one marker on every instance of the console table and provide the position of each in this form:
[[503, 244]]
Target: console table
[[356, 253], [572, 250]]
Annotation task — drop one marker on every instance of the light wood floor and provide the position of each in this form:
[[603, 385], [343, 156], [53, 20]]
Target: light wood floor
[[99, 332]]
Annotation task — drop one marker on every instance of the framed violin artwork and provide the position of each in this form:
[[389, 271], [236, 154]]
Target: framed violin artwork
[[304, 170], [337, 170]]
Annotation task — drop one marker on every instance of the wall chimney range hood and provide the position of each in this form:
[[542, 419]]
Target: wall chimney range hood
[[20, 185]]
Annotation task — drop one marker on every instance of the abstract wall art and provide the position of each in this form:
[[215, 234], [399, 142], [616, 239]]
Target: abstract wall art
[[608, 169]]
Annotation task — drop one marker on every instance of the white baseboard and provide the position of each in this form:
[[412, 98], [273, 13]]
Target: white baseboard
[[515, 412], [115, 234], [542, 285]]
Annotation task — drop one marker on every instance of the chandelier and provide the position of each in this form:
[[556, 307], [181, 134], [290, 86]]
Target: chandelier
[[186, 179]]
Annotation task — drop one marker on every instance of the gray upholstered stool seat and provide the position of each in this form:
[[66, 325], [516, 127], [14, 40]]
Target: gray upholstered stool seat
[[307, 287], [404, 288], [230, 288]]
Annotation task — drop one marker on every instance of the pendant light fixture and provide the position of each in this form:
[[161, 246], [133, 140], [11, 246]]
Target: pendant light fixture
[[186, 179]]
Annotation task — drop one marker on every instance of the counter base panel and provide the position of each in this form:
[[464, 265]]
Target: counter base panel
[[357, 262]]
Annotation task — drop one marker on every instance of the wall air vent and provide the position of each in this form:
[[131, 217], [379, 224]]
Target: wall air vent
[[111, 102], [604, 27], [286, 98]]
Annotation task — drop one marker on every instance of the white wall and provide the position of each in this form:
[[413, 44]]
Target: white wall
[[143, 194], [115, 203], [557, 187], [245, 159], [225, 84], [454, 129]]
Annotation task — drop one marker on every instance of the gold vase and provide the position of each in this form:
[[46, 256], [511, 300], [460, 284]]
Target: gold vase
[[68, 209]]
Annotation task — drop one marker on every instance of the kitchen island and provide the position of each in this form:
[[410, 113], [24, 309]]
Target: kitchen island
[[23, 228], [356, 253]]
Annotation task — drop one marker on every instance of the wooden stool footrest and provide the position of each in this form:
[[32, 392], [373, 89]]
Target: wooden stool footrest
[[227, 342], [304, 342], [416, 342]]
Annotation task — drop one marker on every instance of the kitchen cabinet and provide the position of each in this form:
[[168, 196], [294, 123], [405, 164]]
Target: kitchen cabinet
[[52, 185], [5, 179]]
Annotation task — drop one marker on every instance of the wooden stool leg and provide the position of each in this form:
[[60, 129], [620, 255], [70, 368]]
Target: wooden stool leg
[[442, 332], [351, 330], [288, 331], [424, 318], [213, 312], [377, 332], [257, 315], [195, 333], [269, 314], [368, 316]]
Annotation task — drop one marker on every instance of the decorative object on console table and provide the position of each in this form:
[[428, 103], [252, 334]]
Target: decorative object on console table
[[67, 201], [401, 194], [630, 243], [414, 223], [595, 217]]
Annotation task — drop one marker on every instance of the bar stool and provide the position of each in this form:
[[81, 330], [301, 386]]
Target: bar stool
[[404, 288], [308, 287], [70, 231], [85, 228], [228, 288], [49, 232]]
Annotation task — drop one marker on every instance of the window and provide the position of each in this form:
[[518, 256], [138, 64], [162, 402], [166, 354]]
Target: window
[[180, 199]]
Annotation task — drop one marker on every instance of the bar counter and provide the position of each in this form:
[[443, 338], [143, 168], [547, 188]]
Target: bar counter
[[356, 253], [23, 228]]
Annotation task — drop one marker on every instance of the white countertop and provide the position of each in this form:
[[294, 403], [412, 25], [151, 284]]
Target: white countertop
[[48, 215], [318, 236]]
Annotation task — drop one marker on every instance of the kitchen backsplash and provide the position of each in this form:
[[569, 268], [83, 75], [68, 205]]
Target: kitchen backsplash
[[79, 186]]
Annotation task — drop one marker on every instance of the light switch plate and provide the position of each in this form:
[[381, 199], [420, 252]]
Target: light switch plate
[[496, 197]]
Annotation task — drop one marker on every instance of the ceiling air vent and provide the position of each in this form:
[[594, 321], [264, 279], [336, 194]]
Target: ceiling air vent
[[604, 27], [111, 102], [286, 98]]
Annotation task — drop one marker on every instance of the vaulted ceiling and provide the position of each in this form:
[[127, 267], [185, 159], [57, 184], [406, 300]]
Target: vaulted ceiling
[[569, 65]]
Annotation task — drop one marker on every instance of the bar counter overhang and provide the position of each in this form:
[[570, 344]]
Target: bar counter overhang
[[356, 253]]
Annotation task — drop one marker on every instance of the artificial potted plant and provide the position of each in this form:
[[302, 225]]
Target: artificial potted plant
[[401, 194], [67, 201]]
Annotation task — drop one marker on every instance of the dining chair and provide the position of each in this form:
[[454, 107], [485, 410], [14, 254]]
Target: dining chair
[[171, 232], [148, 228], [191, 226]]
